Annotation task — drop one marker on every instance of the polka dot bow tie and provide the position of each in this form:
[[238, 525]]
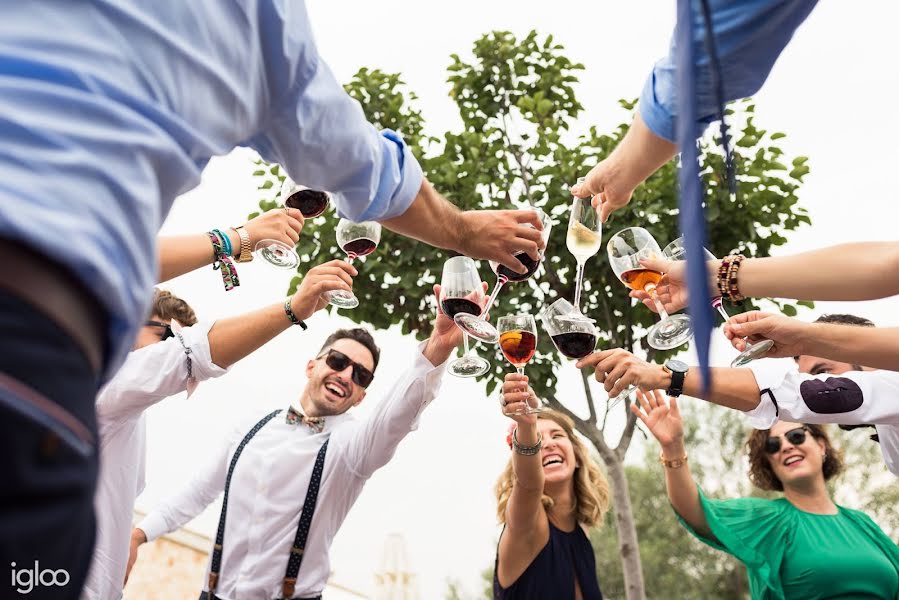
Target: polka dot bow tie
[[295, 417]]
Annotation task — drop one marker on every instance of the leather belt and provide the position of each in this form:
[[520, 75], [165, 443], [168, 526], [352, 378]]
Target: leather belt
[[54, 291]]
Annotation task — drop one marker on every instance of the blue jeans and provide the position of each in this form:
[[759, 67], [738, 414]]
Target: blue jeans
[[48, 456]]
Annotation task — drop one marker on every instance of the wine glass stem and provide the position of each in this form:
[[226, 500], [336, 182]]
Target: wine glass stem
[[577, 287], [496, 288], [651, 290], [465, 342], [520, 370], [718, 304]]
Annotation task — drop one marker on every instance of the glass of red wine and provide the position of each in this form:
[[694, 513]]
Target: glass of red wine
[[573, 334], [676, 251], [626, 249], [356, 239], [308, 201], [461, 292], [478, 326], [518, 341]]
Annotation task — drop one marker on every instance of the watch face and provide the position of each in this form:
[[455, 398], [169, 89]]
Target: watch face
[[677, 366]]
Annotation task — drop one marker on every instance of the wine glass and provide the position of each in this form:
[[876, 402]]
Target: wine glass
[[356, 239], [583, 240], [676, 251], [518, 341], [626, 248], [461, 292], [277, 253], [308, 201], [572, 334], [479, 327]]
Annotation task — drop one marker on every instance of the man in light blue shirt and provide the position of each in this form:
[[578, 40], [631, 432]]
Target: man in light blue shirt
[[109, 110], [750, 35]]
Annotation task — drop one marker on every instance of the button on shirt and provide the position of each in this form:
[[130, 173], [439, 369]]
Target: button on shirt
[[110, 109], [149, 375], [270, 482], [851, 398], [749, 35]]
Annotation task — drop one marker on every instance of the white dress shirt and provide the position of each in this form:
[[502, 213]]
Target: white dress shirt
[[149, 375], [271, 478], [851, 398]]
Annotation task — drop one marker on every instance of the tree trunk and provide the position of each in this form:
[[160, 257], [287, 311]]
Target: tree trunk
[[628, 546]]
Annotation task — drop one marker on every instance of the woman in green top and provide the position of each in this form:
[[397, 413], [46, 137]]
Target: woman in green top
[[798, 547]]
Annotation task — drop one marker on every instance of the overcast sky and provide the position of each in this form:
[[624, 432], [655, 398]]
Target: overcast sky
[[831, 92]]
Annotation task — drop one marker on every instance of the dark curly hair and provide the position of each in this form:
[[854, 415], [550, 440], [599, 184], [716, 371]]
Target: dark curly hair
[[357, 334], [762, 474]]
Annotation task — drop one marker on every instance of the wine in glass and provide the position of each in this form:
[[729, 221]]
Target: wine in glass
[[676, 251], [571, 333], [308, 201], [478, 326], [518, 341], [461, 292], [584, 239], [625, 249], [356, 239]]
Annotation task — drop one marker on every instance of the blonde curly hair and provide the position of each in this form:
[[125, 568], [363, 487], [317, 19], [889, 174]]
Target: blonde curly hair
[[591, 490]]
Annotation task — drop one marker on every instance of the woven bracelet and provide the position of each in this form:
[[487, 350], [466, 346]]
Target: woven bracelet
[[223, 262]]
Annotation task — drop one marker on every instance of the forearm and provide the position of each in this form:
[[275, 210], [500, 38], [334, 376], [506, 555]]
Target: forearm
[[682, 491], [182, 254], [731, 388], [877, 348], [528, 469], [232, 339], [430, 218], [858, 271], [640, 154]]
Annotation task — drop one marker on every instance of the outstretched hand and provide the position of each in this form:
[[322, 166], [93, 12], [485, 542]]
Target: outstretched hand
[[609, 192], [663, 421], [516, 396], [499, 235]]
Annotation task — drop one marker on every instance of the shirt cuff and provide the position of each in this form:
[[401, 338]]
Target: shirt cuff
[[153, 526], [659, 120], [769, 374], [196, 339], [393, 197]]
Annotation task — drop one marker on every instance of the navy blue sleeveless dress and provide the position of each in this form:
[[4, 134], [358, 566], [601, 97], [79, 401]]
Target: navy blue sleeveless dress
[[551, 574]]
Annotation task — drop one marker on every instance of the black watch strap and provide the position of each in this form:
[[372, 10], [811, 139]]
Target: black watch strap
[[677, 383]]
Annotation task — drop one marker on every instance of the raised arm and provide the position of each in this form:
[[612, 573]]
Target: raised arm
[[666, 425], [185, 253]]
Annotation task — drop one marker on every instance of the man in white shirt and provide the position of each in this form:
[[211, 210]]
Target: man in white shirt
[[281, 464], [163, 363], [769, 390]]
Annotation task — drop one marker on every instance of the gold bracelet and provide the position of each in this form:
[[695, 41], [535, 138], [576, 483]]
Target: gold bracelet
[[672, 463]]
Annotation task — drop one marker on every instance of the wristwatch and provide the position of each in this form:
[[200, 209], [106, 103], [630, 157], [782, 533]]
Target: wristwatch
[[678, 371], [246, 253]]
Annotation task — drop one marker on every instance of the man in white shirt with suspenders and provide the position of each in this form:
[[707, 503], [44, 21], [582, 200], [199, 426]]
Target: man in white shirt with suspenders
[[313, 449]]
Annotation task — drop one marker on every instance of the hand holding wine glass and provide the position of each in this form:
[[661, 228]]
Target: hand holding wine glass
[[518, 341], [273, 235], [785, 336], [583, 240], [517, 398], [332, 276], [356, 239], [310, 202]]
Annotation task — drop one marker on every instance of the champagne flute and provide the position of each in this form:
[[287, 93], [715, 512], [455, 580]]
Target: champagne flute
[[461, 292], [573, 335], [583, 240], [626, 248], [676, 251], [477, 326], [310, 203], [518, 341], [356, 239]]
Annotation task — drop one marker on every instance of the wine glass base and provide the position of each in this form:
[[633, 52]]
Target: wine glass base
[[752, 353], [613, 402], [468, 366], [342, 299], [477, 328], [670, 333], [280, 257]]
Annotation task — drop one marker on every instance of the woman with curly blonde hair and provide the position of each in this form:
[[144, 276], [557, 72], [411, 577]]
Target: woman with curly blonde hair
[[547, 496], [802, 545]]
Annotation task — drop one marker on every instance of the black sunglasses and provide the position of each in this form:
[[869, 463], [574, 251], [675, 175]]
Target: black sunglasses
[[340, 361], [165, 334], [794, 436]]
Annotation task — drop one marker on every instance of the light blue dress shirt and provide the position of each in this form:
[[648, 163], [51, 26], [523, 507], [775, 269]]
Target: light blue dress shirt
[[750, 35], [109, 109]]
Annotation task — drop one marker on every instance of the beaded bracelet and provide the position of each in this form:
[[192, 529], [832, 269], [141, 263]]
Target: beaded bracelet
[[293, 318], [526, 450], [223, 261], [727, 278]]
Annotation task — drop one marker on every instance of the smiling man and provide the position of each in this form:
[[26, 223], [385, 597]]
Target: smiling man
[[315, 450]]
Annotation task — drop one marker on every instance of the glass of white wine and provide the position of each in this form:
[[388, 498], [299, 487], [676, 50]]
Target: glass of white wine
[[583, 240]]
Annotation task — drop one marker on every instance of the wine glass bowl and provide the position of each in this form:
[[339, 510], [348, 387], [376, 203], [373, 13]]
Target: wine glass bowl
[[277, 254], [625, 250], [356, 239], [518, 342], [310, 202], [583, 240], [573, 335]]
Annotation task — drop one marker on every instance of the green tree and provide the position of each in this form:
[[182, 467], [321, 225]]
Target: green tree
[[517, 102]]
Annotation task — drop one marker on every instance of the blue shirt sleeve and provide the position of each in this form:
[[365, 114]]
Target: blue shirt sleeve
[[320, 135], [749, 36]]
